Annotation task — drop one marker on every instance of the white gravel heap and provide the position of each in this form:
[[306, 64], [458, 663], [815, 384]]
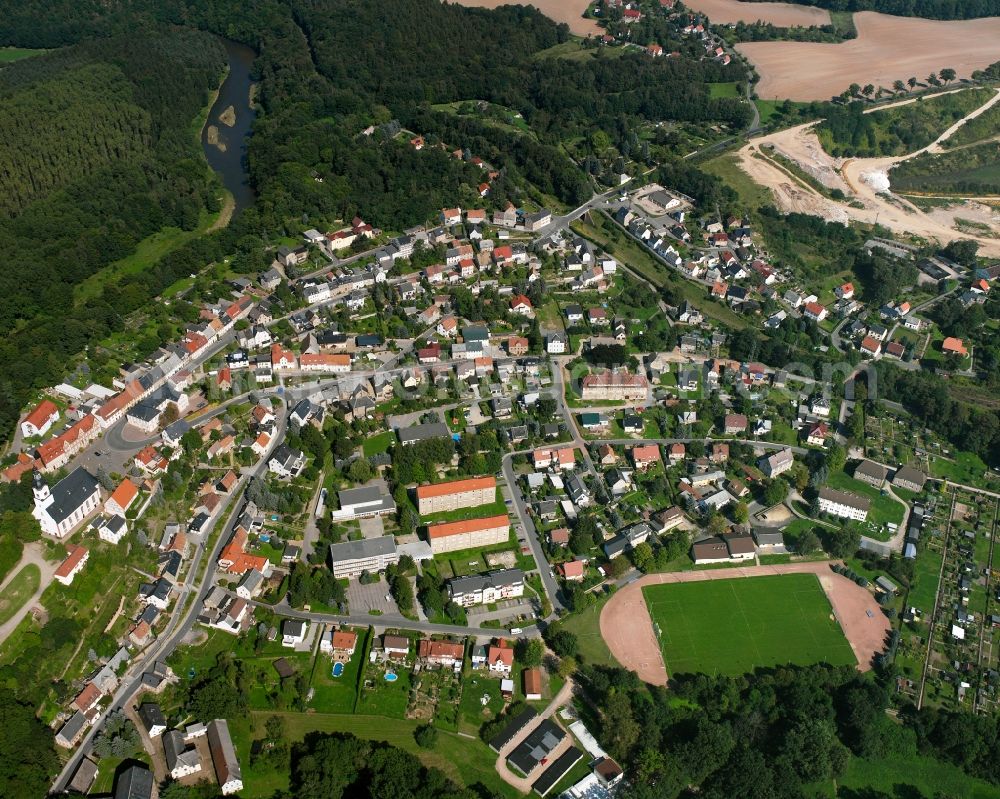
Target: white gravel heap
[[877, 180]]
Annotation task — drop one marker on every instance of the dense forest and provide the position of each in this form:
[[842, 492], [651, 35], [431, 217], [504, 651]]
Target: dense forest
[[777, 733], [930, 9], [97, 153], [88, 120]]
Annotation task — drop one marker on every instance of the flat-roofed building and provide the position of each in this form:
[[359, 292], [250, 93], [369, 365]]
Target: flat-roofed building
[[359, 503], [456, 494], [351, 558], [468, 533], [536, 747]]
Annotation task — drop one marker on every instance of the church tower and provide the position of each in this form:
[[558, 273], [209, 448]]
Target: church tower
[[40, 490]]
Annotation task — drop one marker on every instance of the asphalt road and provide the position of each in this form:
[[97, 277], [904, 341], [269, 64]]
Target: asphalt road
[[178, 626], [389, 620], [531, 533]]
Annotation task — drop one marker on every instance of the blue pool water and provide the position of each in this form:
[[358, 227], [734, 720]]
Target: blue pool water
[[390, 676], [338, 669]]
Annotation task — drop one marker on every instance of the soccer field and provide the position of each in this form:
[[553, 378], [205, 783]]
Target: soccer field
[[734, 626]]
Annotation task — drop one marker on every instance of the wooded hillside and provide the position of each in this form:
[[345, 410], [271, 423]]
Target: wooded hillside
[[96, 153], [54, 132]]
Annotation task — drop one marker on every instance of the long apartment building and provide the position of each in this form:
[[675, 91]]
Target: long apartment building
[[844, 504], [468, 533], [456, 494], [482, 589]]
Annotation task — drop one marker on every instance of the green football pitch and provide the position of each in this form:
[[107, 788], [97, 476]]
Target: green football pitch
[[734, 626]]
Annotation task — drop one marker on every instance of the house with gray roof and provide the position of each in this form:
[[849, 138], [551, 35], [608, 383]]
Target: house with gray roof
[[423, 432]]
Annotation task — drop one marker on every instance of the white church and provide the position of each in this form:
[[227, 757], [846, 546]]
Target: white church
[[60, 510]]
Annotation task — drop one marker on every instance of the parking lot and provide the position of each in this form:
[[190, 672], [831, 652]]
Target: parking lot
[[365, 598]]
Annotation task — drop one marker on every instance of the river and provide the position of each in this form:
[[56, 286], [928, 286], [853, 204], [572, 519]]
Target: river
[[224, 137]]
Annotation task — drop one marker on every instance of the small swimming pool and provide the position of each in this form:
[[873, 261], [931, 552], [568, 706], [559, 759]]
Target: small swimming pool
[[391, 676], [338, 669]]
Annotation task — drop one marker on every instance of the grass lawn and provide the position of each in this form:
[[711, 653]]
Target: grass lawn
[[926, 570], [337, 694], [722, 90], [8, 54], [585, 625], [19, 590], [734, 626], [965, 467], [797, 527], [381, 698], [471, 711], [727, 168], [467, 761], [912, 776], [147, 252], [378, 444], [573, 50], [773, 110]]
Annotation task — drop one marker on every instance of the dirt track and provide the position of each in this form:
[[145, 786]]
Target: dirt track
[[628, 630], [801, 145], [887, 49]]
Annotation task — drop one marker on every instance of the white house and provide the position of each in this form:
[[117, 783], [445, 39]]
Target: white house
[[38, 422], [293, 632], [555, 343]]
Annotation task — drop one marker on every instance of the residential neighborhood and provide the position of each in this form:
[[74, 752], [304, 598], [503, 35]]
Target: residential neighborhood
[[393, 470]]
